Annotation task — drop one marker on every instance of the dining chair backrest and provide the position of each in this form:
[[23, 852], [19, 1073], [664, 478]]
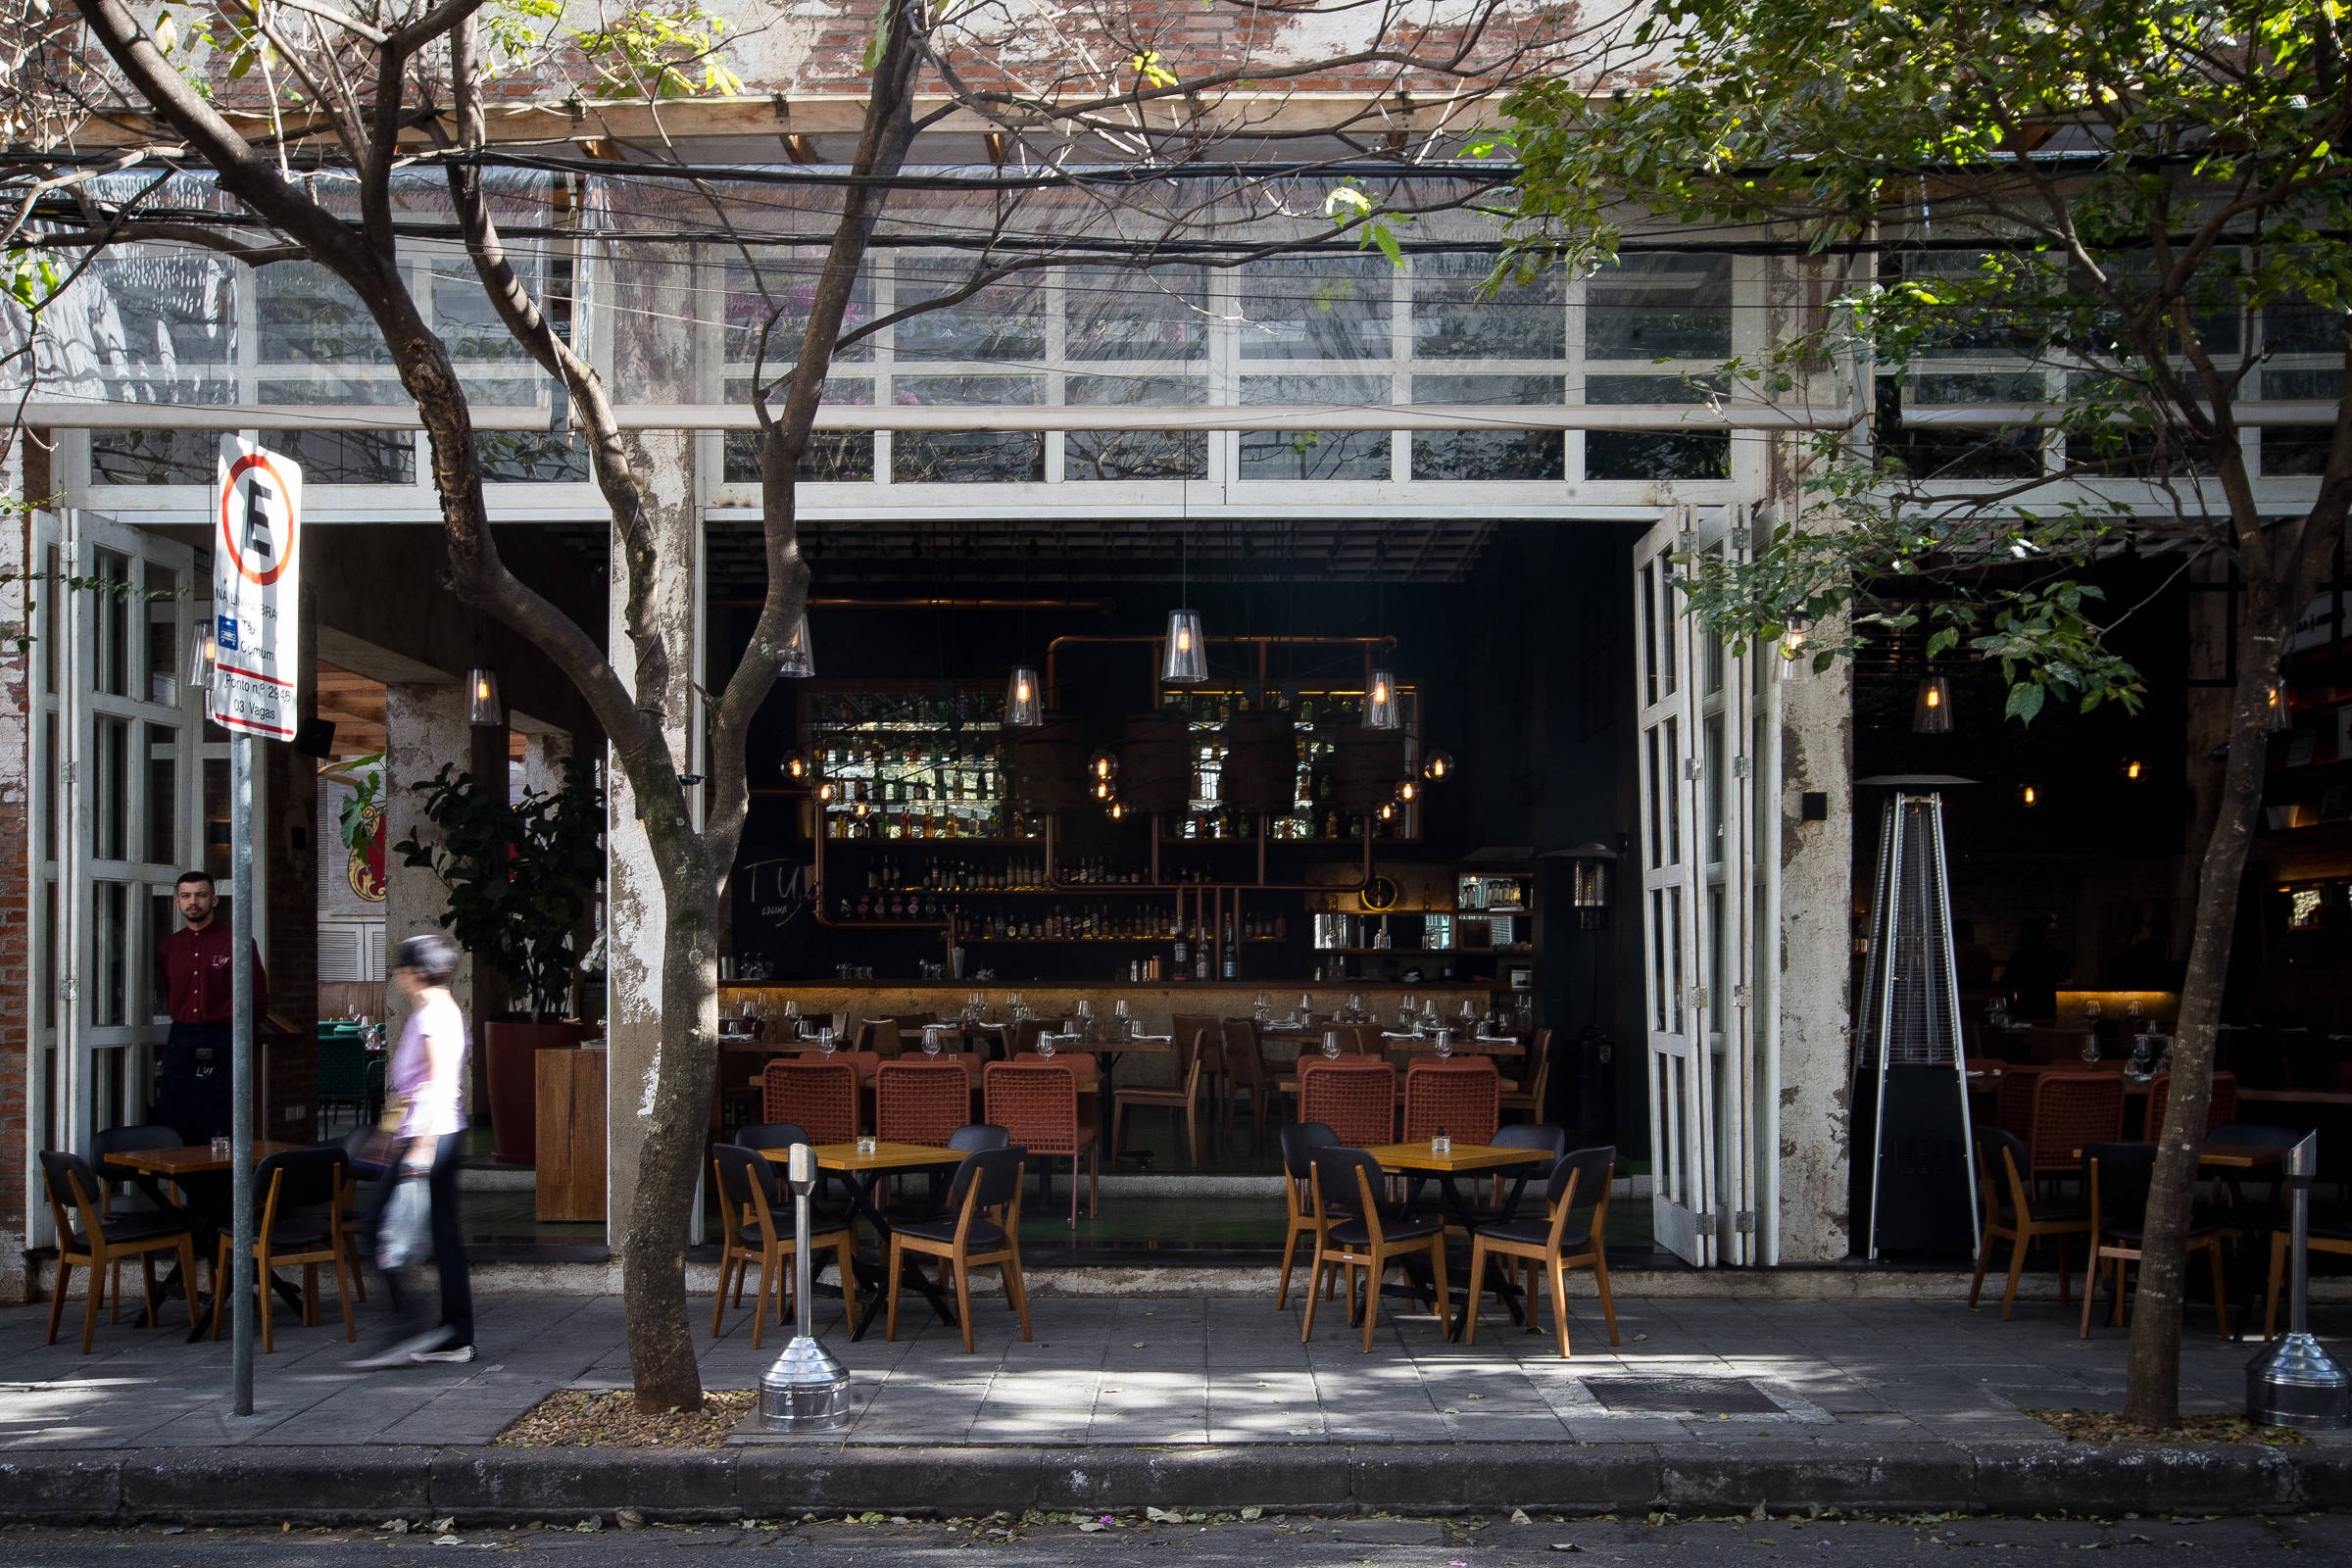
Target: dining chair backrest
[[921, 1102], [1244, 1063], [749, 1179], [1347, 1182], [1188, 1028], [986, 1181], [1553, 1141], [2013, 1100], [2003, 1166], [2055, 1047], [1300, 1140], [1460, 1097], [72, 1189], [298, 1179], [819, 1095], [2071, 1110], [1355, 1097], [2220, 1110], [881, 1037], [1023, 1037], [1535, 1074], [1578, 1182], [769, 1135], [1034, 1102], [2117, 1176], [973, 1137], [1359, 1039]]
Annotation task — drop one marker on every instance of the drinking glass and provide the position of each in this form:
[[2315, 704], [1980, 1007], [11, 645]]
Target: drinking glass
[[867, 1143], [931, 1040], [1331, 1045], [1441, 1143], [1044, 1047], [826, 1041], [221, 1146]]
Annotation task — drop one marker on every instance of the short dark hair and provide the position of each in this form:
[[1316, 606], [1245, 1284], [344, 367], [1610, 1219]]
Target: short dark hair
[[433, 956], [186, 877]]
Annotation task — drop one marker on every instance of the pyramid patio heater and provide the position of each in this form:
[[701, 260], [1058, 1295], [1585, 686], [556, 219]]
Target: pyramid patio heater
[[1910, 1069]]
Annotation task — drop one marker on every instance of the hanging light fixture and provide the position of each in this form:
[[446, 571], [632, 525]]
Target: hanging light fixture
[[1380, 708], [796, 767], [799, 659], [482, 707], [1118, 808], [1931, 708], [2029, 795], [1792, 638], [1024, 707], [1409, 791], [2132, 769], [1186, 660], [1104, 765], [825, 792], [1388, 811], [2280, 716], [1437, 766]]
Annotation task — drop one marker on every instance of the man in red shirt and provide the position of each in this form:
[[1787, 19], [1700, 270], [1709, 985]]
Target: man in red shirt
[[193, 1092]]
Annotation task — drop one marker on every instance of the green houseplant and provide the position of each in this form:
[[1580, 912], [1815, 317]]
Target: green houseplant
[[521, 878]]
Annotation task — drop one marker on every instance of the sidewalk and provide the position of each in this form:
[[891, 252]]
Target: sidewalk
[[1167, 1401]]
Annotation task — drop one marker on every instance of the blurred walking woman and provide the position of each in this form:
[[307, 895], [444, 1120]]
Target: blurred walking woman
[[426, 1127]]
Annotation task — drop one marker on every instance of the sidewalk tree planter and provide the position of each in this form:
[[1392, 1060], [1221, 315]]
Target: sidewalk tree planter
[[2111, 198]]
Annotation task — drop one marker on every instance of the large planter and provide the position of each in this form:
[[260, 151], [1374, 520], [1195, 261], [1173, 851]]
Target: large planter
[[511, 1052]]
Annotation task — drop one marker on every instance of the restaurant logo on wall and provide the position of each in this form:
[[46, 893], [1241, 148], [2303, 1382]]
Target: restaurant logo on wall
[[366, 867]]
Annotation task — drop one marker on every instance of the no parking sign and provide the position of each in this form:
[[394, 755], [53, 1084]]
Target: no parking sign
[[256, 591]]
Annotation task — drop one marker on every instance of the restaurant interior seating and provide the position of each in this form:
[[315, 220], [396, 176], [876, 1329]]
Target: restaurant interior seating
[[1038, 1103], [2222, 1108], [918, 1100], [1367, 1242], [981, 1229], [2009, 1211], [1556, 1242], [1460, 1097], [2069, 1110], [753, 1191], [1525, 1097], [1355, 1097], [2332, 1233], [817, 1093], [1244, 1076], [91, 1238], [296, 1218], [1184, 1097], [2116, 1175]]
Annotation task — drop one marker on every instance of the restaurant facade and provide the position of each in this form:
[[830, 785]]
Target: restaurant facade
[[1449, 738]]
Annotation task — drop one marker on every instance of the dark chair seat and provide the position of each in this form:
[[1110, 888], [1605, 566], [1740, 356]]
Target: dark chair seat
[[1355, 1232], [1574, 1238], [985, 1236], [136, 1225], [2130, 1233], [2334, 1228], [304, 1235], [748, 1235], [2048, 1213]]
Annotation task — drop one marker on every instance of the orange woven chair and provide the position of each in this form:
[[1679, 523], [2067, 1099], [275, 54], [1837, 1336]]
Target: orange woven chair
[[2220, 1110], [2069, 1110], [1355, 1096], [1081, 1062], [812, 1093], [1037, 1103], [1460, 1097], [1526, 1097], [919, 1100], [2013, 1100]]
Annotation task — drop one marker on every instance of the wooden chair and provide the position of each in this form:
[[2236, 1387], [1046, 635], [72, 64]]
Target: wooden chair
[[1355, 1097], [1377, 1235], [815, 1092], [1460, 1097], [2325, 1235], [88, 1236], [1551, 1141], [1245, 1074], [2072, 1109], [753, 1189], [2117, 1176], [1556, 1242], [1184, 1097], [111, 1178], [1359, 1039], [881, 1037], [298, 1218], [2220, 1110], [1300, 1140], [2006, 1204], [1037, 1102], [1526, 1097], [985, 1231], [921, 1100]]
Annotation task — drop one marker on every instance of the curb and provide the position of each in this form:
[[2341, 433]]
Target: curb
[[513, 1486]]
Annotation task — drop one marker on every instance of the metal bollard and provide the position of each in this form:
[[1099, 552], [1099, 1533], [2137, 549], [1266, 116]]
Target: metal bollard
[[807, 1390], [2294, 1382]]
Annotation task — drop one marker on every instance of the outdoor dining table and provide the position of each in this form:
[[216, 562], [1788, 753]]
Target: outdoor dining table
[[865, 1170], [1419, 1161], [152, 1167]]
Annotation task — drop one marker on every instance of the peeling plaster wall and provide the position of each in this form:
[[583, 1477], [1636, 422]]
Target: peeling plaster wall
[[17, 889]]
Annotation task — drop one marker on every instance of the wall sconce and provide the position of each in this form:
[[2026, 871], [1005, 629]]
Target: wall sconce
[[482, 706], [1588, 874]]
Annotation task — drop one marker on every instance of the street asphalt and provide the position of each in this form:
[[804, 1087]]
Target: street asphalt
[[1735, 1541]]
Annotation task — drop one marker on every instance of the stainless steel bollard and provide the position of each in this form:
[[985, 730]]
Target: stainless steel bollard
[[807, 1390], [2294, 1382]]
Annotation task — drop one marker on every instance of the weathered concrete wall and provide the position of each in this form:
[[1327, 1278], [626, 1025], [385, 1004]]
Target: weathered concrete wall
[[425, 729], [17, 885]]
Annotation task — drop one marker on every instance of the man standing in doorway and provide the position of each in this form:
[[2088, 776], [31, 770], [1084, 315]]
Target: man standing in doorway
[[193, 1094]]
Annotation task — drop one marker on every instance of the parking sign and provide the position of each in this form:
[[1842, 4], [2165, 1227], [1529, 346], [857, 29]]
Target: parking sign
[[256, 591]]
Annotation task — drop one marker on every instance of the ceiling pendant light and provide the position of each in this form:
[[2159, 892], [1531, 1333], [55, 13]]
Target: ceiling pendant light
[[1381, 711], [1024, 707], [1931, 708], [1409, 791], [796, 767], [1437, 766], [1186, 661], [799, 659], [482, 706]]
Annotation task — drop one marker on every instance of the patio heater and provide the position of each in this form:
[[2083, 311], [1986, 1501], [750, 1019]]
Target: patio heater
[[2293, 1382], [807, 1390], [1910, 1068]]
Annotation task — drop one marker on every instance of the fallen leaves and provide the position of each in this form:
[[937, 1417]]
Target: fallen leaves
[[2104, 1426], [593, 1418]]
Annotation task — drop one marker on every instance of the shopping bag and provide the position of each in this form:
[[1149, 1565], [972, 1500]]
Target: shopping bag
[[405, 1232]]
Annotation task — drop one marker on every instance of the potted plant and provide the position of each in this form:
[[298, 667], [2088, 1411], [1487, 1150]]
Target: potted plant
[[521, 878]]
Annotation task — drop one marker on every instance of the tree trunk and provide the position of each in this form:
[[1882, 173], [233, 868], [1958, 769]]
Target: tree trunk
[[2152, 1395]]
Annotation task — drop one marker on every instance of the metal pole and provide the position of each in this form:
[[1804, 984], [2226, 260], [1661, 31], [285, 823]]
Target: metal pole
[[2293, 1382], [807, 1390], [240, 965]]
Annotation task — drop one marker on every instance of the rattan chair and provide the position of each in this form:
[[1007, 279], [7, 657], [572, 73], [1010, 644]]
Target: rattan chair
[[2072, 1109], [1526, 1097], [983, 1229], [1300, 1140], [2220, 1110], [2117, 1177], [921, 1100], [815, 1092], [2009, 1211], [1184, 1096], [1081, 1062], [1245, 1074], [753, 1189], [1037, 1102], [1368, 1242], [1460, 1097], [97, 1241], [298, 1218], [1355, 1097], [1557, 1242]]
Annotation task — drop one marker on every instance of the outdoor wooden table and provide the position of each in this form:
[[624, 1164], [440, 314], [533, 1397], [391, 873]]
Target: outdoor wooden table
[[191, 1159], [196, 1159], [1476, 1046], [2234, 1157], [1419, 1161], [866, 1170]]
